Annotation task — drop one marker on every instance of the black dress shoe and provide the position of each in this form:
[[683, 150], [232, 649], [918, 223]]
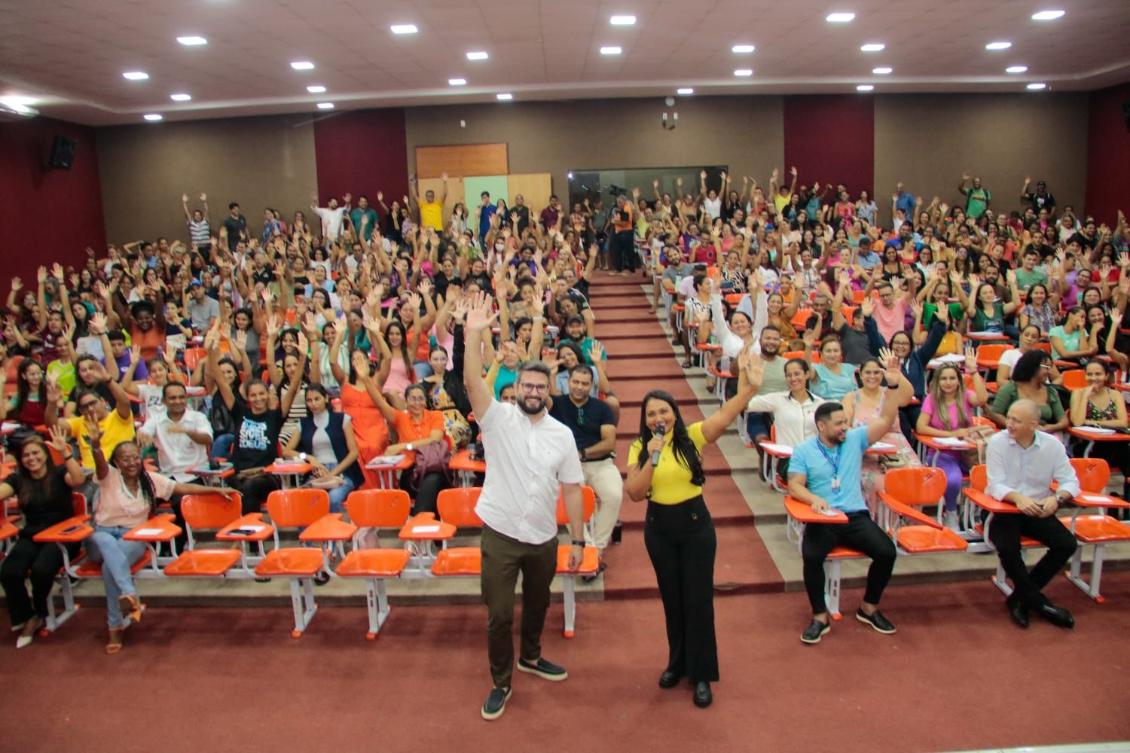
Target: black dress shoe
[[702, 695], [669, 679], [1057, 616], [1018, 611]]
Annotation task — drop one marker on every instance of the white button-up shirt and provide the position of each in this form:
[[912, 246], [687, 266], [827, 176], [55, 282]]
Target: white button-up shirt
[[1030, 470], [526, 463], [794, 421]]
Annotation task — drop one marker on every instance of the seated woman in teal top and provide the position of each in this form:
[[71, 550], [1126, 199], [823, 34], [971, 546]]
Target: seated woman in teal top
[[831, 378], [1070, 340]]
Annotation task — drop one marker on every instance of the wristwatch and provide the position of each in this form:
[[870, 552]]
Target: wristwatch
[[1062, 499], [580, 543], [409, 447], [302, 456]]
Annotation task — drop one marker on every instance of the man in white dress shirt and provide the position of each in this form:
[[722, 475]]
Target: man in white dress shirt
[[1022, 462], [529, 455]]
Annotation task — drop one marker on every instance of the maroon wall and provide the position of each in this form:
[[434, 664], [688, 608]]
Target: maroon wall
[[47, 215], [361, 152], [1108, 155], [831, 139]]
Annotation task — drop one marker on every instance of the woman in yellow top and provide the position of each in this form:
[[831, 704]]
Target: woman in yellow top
[[665, 467]]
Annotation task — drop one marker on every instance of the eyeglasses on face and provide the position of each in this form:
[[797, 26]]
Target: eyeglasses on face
[[526, 387]]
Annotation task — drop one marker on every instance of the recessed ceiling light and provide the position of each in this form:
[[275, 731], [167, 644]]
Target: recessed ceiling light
[[622, 20], [610, 50], [153, 117], [1016, 69], [1037, 85], [316, 89], [743, 72], [1001, 45], [685, 91], [325, 105], [456, 82], [840, 18], [302, 65], [882, 70], [477, 55], [504, 96], [872, 47], [192, 41], [135, 75], [742, 49], [180, 97], [1048, 15], [19, 105], [864, 88], [404, 28]]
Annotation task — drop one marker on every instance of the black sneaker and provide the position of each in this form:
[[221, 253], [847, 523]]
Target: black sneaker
[[815, 632], [590, 577], [495, 703], [543, 669], [877, 621]]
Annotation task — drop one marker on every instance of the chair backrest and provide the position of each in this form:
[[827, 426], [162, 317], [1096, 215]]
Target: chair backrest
[[193, 356], [916, 486], [857, 296], [378, 508], [979, 477], [1044, 346], [1093, 474], [457, 507], [800, 318], [294, 508], [1075, 379], [588, 500], [849, 313], [78, 504], [991, 351], [211, 511]]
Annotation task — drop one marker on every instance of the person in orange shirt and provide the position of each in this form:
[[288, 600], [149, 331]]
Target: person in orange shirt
[[417, 428]]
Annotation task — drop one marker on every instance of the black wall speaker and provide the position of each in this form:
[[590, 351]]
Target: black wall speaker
[[62, 153]]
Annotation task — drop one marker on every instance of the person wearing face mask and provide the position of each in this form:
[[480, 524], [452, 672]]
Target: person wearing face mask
[[665, 468]]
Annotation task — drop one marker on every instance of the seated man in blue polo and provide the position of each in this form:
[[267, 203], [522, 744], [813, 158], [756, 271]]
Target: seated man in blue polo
[[824, 472]]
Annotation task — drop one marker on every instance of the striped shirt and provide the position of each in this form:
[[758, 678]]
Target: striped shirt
[[199, 232]]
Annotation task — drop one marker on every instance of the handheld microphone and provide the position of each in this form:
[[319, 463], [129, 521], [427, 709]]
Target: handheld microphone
[[660, 430]]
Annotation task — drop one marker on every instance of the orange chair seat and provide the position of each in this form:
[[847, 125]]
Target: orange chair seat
[[590, 561], [7, 530], [202, 563], [923, 539], [711, 347], [1095, 529], [297, 561], [844, 553], [373, 563], [90, 569], [459, 560]]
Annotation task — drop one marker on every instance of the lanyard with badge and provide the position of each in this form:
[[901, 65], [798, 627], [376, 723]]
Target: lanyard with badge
[[833, 460]]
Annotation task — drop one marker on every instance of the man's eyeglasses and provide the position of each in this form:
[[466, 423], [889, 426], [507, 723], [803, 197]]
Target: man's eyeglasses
[[534, 387]]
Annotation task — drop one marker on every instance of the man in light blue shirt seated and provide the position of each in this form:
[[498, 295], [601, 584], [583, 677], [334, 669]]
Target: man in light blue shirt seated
[[1022, 462], [824, 472]]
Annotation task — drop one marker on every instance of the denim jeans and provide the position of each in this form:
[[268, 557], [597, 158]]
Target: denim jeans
[[339, 493], [221, 446], [116, 555]]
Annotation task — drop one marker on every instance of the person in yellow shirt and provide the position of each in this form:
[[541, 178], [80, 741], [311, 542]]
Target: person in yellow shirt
[[665, 468], [781, 194], [431, 211], [116, 425]]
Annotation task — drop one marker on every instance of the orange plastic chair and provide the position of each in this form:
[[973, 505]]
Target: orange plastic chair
[[297, 508], [800, 514], [1044, 346], [193, 356], [975, 493], [376, 508], [1096, 530], [800, 319], [214, 512], [457, 507], [989, 355], [905, 490], [857, 296], [1093, 474], [590, 559], [1075, 379]]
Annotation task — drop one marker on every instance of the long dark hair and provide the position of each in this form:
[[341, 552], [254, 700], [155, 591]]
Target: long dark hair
[[25, 484], [144, 481], [403, 344], [23, 388], [685, 451]]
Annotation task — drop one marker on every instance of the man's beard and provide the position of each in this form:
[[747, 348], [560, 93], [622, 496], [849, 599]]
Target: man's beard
[[523, 404]]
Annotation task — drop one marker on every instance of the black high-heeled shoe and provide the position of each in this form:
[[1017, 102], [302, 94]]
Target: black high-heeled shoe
[[703, 697]]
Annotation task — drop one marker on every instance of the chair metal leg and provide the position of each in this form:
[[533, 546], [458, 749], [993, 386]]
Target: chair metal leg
[[569, 590], [55, 620], [1075, 574], [832, 588], [302, 601]]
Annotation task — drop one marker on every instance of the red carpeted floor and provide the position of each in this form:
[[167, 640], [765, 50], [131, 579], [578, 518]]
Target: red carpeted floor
[[957, 676], [640, 359]]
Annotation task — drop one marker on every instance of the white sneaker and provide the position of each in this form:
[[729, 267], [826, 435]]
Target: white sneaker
[[951, 521]]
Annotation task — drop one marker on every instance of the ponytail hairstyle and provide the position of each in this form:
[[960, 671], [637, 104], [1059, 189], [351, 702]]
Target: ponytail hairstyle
[[685, 452], [145, 481]]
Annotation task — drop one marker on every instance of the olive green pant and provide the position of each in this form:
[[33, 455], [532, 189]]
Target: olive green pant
[[503, 559]]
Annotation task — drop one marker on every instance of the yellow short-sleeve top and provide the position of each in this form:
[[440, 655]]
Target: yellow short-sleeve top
[[671, 480]]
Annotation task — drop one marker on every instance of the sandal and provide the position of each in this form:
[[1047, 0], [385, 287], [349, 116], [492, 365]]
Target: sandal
[[117, 640], [130, 606], [687, 364]]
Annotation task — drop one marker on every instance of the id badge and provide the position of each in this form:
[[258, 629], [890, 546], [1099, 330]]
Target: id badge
[[835, 483]]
